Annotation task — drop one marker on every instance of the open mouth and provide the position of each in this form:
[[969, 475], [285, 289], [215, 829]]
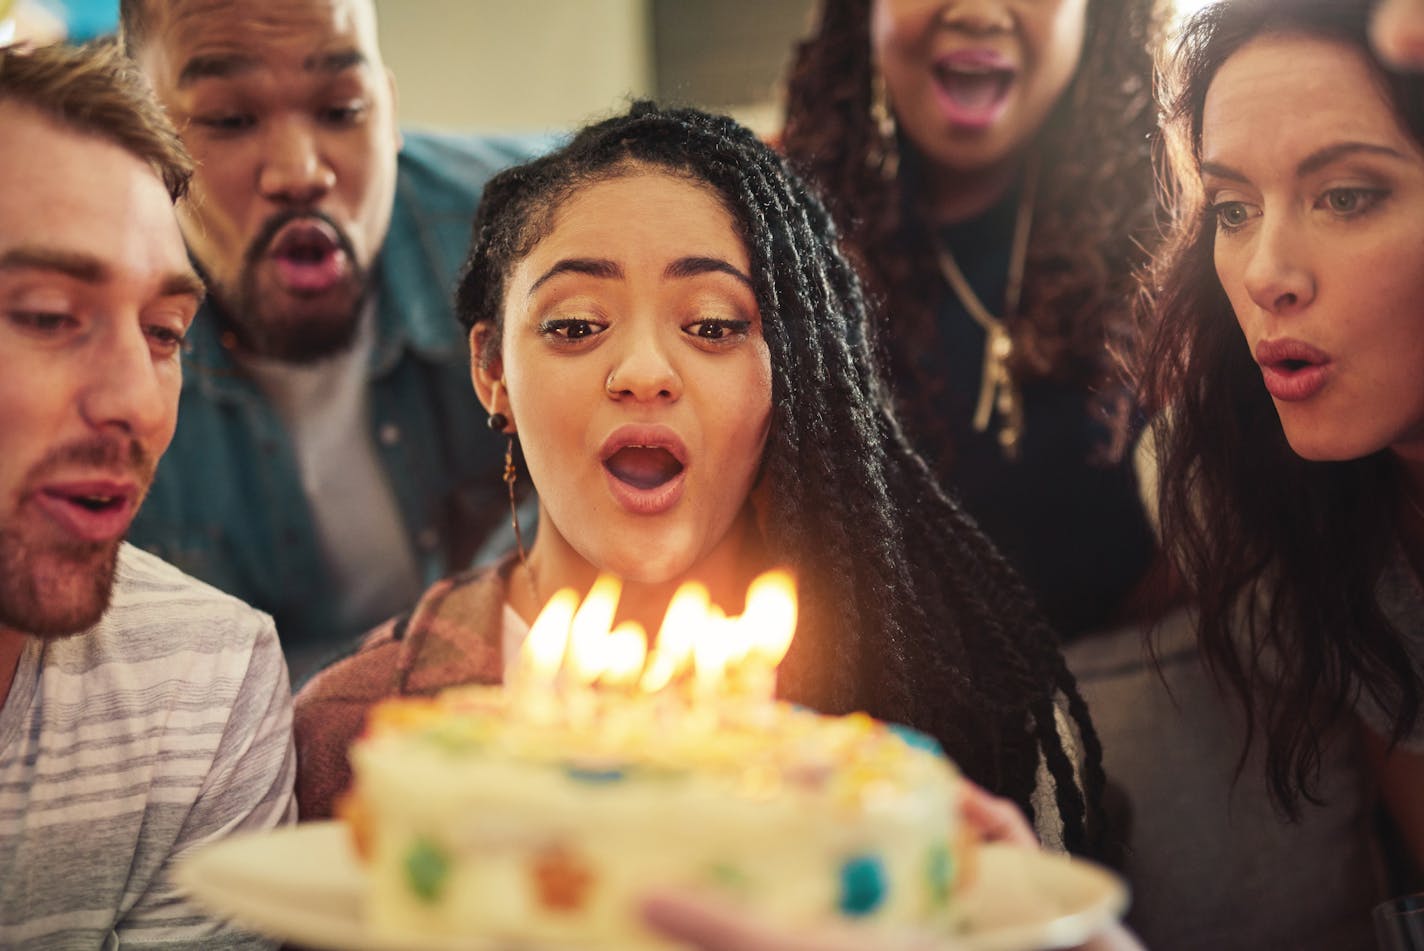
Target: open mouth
[[643, 467], [309, 256], [93, 503], [95, 512], [975, 88]]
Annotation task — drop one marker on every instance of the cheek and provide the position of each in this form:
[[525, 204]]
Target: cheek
[[213, 216], [1228, 276], [370, 188], [1057, 43], [746, 419], [550, 426], [896, 27], [172, 384], [34, 406]]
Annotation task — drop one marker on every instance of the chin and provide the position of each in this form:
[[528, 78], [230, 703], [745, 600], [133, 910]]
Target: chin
[[1316, 446], [54, 596], [643, 560]]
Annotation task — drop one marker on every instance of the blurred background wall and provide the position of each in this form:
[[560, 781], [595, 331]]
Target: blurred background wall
[[522, 65], [541, 64]]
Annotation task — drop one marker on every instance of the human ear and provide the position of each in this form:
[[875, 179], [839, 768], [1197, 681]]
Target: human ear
[[488, 378]]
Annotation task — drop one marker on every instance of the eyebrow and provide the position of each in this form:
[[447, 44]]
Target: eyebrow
[[694, 266], [691, 266], [593, 267], [1314, 162], [91, 270], [228, 65]]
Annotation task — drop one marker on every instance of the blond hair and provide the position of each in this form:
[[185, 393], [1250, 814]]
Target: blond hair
[[96, 90]]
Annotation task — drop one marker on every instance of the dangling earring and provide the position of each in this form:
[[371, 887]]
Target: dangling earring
[[497, 422], [883, 156], [511, 476]]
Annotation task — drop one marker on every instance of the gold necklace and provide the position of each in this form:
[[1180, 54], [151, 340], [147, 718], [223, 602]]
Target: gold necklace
[[997, 388]]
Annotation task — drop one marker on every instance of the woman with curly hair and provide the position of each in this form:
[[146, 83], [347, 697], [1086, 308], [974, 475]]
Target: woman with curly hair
[[1287, 348], [661, 318], [989, 163]]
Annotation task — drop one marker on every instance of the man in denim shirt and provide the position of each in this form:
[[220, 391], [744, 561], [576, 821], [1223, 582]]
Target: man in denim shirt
[[331, 459]]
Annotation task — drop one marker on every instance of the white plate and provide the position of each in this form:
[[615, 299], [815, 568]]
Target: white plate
[[303, 884]]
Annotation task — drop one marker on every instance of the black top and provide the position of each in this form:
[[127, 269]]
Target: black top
[[1072, 524]]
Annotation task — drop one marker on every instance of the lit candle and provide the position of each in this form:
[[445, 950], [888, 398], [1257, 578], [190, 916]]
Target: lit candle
[[531, 692], [767, 625], [588, 634], [704, 667], [626, 650], [685, 617]]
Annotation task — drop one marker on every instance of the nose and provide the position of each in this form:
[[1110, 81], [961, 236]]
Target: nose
[[1278, 275], [123, 391], [294, 171], [643, 372], [977, 17]]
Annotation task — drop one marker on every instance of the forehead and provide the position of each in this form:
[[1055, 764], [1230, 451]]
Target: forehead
[[1281, 93], [188, 36], [69, 191], [645, 210]]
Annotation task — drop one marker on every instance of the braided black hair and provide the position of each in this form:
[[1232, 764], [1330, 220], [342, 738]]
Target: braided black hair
[[907, 611]]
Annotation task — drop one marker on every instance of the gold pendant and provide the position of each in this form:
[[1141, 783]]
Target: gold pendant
[[998, 393]]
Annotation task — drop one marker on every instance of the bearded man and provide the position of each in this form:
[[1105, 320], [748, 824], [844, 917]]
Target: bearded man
[[142, 713], [331, 459]]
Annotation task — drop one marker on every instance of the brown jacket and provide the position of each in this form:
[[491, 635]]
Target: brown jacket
[[451, 637]]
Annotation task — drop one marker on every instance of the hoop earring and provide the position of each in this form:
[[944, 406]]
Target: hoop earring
[[511, 476], [883, 156]]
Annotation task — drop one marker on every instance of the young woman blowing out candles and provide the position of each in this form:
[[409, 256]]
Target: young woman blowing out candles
[[661, 320]]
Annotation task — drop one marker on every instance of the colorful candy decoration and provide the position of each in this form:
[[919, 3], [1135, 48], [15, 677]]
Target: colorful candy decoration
[[426, 869], [728, 876], [594, 775], [561, 880], [939, 872], [915, 739], [863, 885]]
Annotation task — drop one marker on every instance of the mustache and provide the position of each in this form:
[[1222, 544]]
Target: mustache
[[261, 243], [111, 453]]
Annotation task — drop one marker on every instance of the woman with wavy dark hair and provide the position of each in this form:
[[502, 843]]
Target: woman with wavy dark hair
[[990, 165], [1287, 350], [660, 316]]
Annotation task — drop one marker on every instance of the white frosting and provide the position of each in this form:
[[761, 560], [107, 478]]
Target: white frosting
[[800, 815]]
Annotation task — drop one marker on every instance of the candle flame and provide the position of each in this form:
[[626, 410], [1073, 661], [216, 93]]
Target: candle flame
[[588, 635], [681, 624], [548, 638], [712, 650], [770, 616], [696, 639], [626, 650]]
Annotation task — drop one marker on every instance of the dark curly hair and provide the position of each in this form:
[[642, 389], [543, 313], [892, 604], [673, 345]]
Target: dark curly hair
[[1283, 555], [908, 612], [1094, 210]]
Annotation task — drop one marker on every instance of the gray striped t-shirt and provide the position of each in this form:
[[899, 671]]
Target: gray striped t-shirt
[[166, 725]]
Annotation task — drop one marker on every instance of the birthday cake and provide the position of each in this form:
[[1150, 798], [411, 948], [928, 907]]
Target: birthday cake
[[476, 823]]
